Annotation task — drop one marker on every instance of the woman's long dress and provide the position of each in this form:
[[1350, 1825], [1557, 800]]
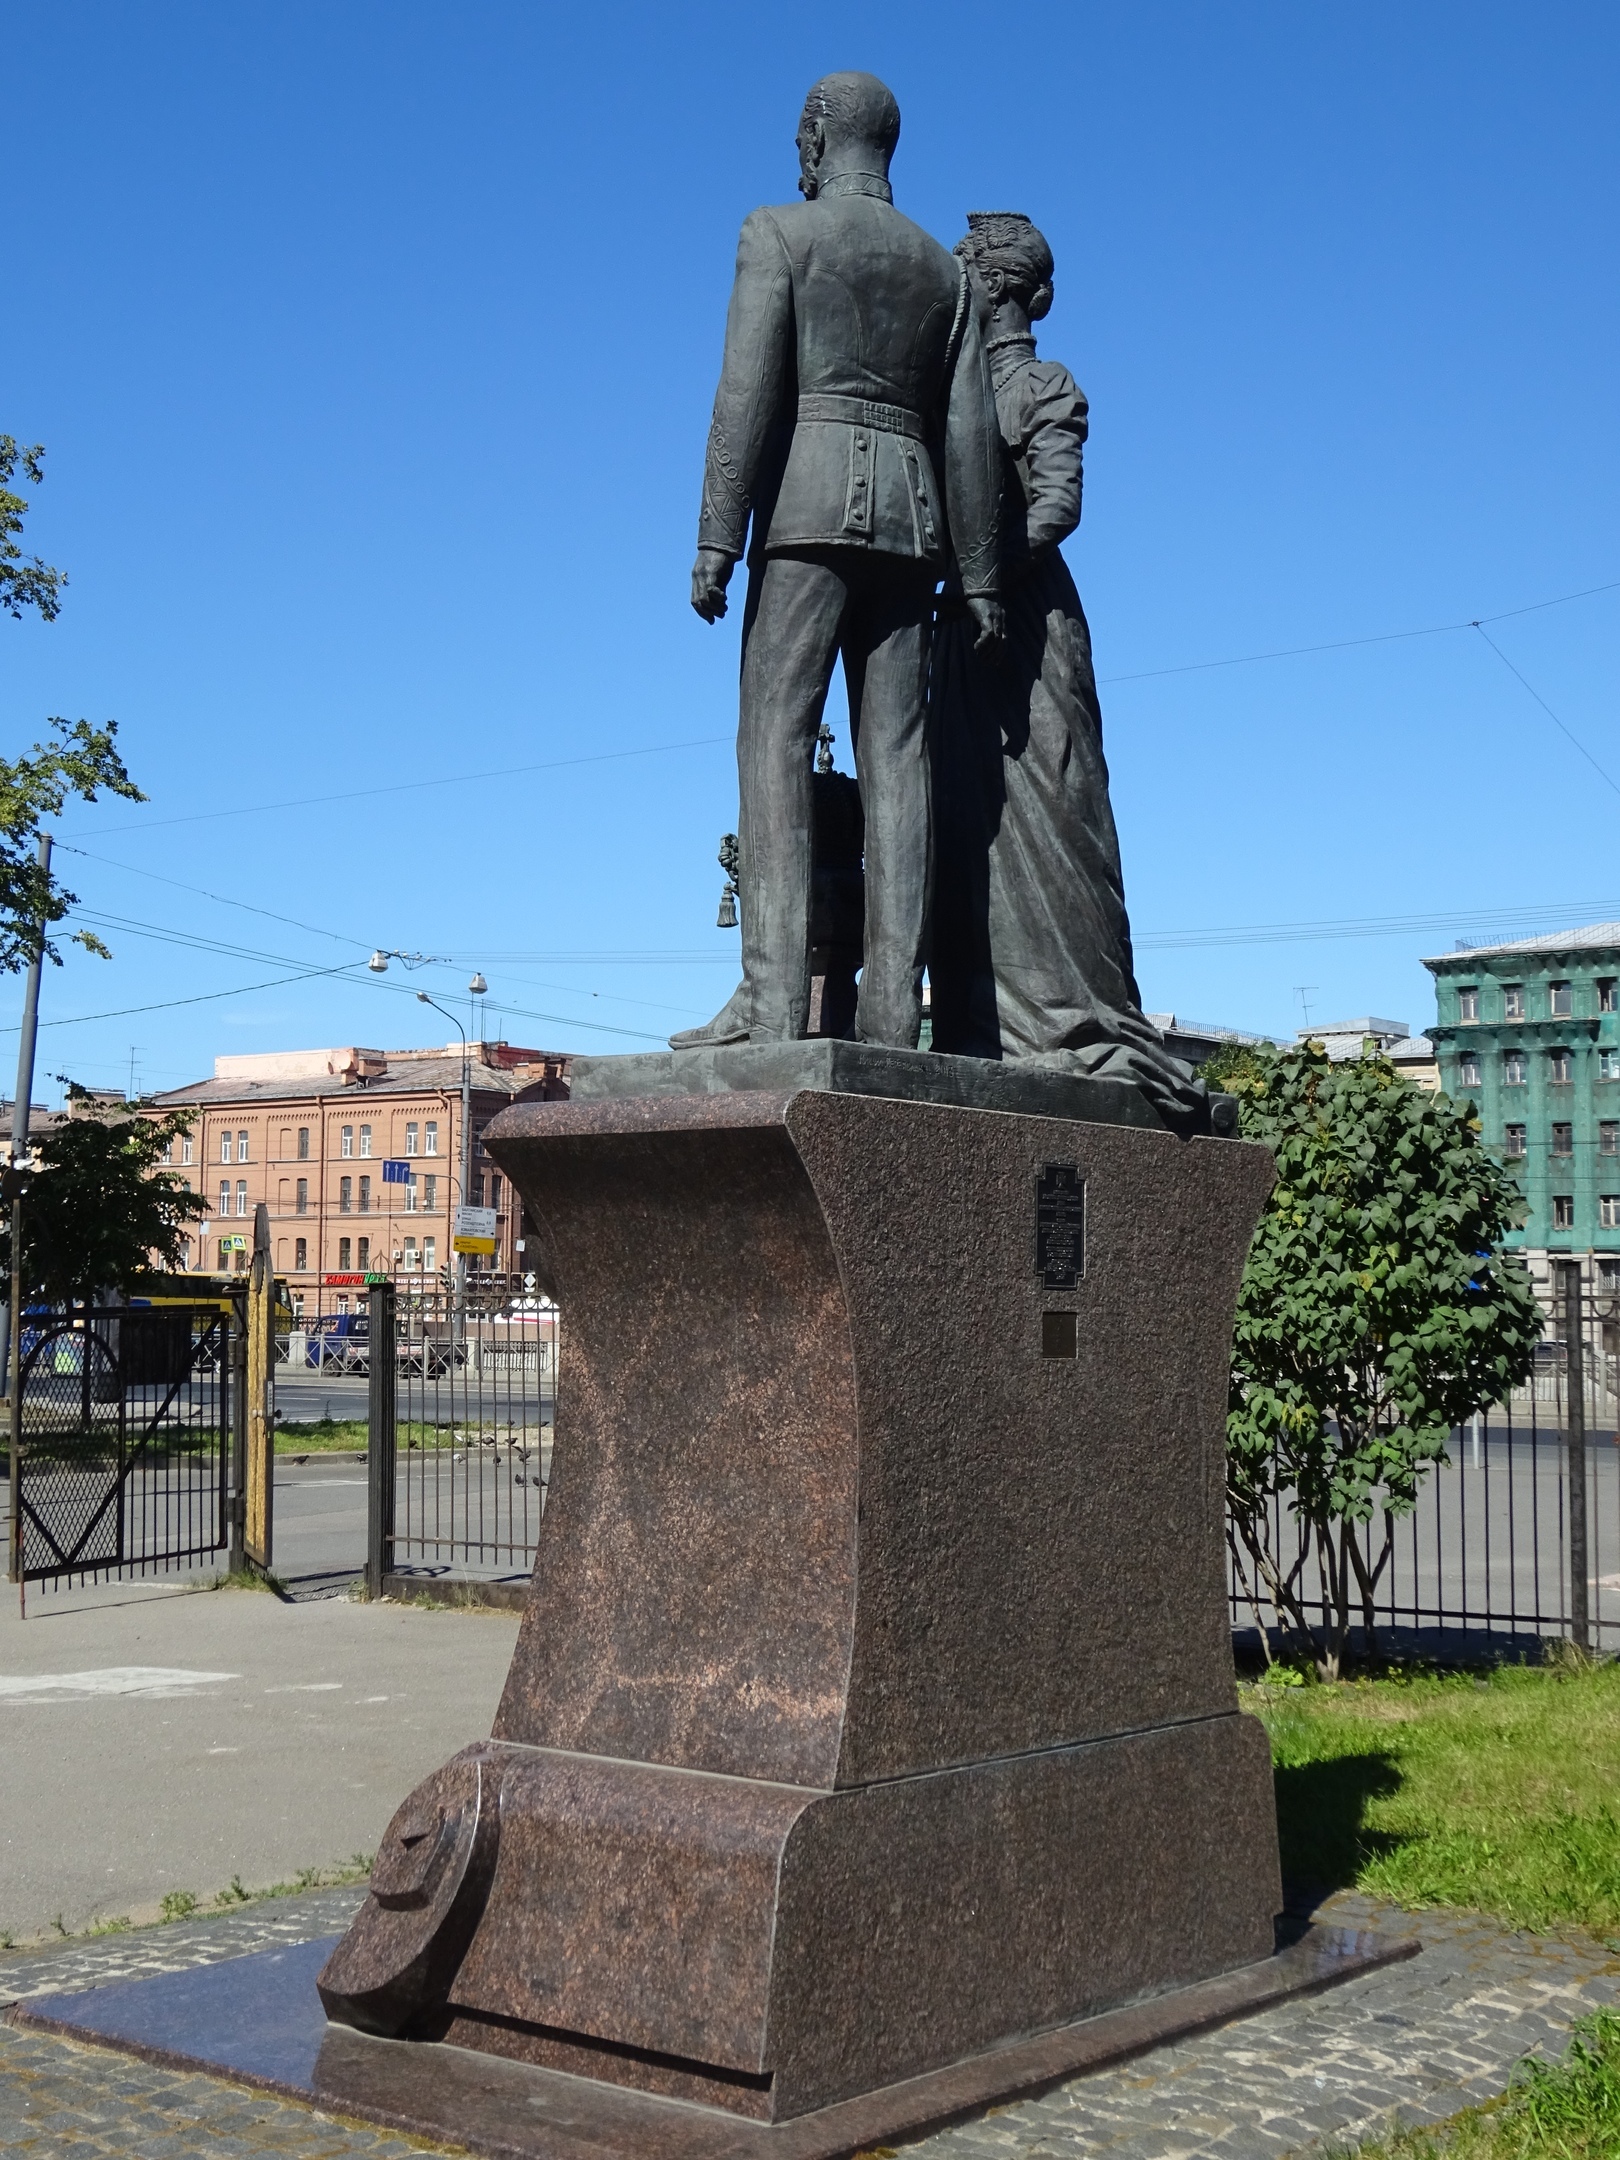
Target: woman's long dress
[[1031, 950]]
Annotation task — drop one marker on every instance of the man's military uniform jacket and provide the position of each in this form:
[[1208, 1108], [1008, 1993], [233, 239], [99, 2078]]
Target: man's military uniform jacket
[[854, 384]]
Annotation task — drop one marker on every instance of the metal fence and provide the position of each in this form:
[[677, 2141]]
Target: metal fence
[[461, 1401], [127, 1441], [1499, 1541], [462, 1397]]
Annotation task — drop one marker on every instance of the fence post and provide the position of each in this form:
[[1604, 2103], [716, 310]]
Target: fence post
[[381, 1438], [259, 1526], [233, 1414], [1580, 1625]]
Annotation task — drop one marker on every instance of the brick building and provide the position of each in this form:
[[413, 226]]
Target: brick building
[[308, 1132]]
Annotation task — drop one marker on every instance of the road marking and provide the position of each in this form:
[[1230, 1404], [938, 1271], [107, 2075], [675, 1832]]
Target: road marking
[[306, 1687], [374, 1698], [153, 1682]]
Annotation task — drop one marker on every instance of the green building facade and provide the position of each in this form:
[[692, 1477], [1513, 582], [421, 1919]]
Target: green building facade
[[1531, 1033]]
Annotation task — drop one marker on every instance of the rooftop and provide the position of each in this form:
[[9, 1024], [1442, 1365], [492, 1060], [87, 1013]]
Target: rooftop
[[1555, 941], [1204, 1030], [281, 1075], [1369, 1024]]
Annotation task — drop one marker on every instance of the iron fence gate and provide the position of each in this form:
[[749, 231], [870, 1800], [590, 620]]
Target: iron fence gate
[[1491, 1544], [125, 1463], [462, 1400]]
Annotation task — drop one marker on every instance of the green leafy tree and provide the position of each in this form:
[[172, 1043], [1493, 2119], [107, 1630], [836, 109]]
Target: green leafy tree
[[23, 583], [1377, 1312], [81, 761], [99, 1207]]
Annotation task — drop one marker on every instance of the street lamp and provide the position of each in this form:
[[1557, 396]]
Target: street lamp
[[422, 998]]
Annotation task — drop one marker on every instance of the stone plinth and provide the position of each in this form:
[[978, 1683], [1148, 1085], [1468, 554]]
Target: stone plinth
[[873, 1705]]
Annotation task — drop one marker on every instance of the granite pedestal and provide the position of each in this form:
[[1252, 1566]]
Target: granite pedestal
[[871, 1746]]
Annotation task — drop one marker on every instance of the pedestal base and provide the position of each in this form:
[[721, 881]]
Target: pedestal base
[[258, 2021], [769, 1950]]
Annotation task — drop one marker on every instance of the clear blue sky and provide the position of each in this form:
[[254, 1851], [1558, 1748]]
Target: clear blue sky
[[373, 349]]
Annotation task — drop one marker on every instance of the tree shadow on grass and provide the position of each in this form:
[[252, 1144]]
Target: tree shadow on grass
[[1321, 1823]]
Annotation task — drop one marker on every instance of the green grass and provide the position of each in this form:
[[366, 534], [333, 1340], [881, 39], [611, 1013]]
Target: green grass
[[1498, 1792], [186, 1905], [1565, 2110], [349, 1435], [322, 1436]]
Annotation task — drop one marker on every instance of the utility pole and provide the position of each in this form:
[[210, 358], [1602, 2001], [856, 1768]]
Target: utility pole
[[19, 1162]]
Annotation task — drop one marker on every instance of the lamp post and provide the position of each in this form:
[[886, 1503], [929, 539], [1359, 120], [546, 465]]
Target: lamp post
[[466, 1135]]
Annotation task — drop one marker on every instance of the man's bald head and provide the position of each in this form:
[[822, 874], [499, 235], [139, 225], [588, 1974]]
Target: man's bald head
[[857, 117]]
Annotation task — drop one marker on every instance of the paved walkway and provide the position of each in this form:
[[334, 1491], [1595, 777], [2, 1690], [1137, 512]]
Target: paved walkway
[[157, 1739], [1426, 2038]]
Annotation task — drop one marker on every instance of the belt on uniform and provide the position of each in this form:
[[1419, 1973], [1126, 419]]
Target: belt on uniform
[[862, 412]]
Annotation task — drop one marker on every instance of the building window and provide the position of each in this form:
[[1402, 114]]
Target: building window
[[1609, 1137], [1513, 1001], [365, 1139], [1606, 998], [300, 1254], [1513, 1141], [241, 1196], [224, 1196], [1609, 1275], [478, 1190], [241, 1147], [429, 1263], [224, 1147], [1558, 1067], [365, 1196], [430, 1193], [346, 1196], [301, 1197], [411, 1136], [1468, 1072], [224, 1257], [185, 1147], [1563, 1211], [411, 1259], [495, 1183], [1609, 1211], [1513, 1068], [1563, 1139], [344, 1250], [1609, 1064], [1558, 1001], [346, 1141], [410, 1197], [303, 1143], [1468, 1004], [363, 1253], [430, 1137]]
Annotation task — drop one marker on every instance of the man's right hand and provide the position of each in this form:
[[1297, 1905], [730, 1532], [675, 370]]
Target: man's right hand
[[990, 619], [711, 574]]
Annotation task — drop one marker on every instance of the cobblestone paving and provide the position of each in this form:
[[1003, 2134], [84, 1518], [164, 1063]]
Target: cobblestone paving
[[1421, 2040]]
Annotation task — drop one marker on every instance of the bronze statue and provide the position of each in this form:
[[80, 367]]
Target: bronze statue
[[1031, 951], [855, 431]]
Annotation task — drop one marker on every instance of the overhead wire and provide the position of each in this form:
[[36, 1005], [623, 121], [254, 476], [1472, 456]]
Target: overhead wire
[[701, 742], [1519, 676]]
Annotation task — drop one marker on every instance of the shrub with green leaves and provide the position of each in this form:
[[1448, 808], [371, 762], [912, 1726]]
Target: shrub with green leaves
[[97, 1207], [1377, 1312]]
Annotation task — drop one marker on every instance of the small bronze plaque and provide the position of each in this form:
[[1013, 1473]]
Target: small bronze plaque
[[1060, 1226], [1060, 1334]]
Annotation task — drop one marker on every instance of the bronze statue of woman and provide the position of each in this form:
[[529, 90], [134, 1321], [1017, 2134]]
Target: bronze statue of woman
[[1031, 946]]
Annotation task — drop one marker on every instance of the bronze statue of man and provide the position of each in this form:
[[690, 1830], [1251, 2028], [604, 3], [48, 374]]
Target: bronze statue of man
[[855, 428]]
